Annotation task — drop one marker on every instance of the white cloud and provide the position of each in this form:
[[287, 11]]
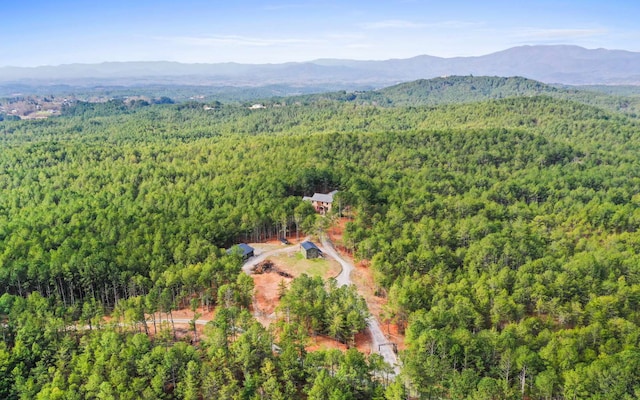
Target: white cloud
[[457, 24], [235, 40], [345, 36], [360, 46], [404, 24], [392, 24], [552, 34]]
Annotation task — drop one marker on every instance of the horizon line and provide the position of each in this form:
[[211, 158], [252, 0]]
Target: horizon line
[[299, 62]]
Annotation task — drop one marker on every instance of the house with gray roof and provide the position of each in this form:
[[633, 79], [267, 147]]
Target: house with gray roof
[[310, 250], [243, 250], [322, 202]]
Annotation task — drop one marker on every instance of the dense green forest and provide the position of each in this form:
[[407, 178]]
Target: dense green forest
[[470, 89], [503, 233]]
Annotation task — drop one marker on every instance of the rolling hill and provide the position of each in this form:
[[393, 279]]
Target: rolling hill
[[470, 89]]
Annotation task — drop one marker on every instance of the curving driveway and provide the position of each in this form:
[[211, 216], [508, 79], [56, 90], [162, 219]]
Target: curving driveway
[[257, 259], [344, 278], [378, 338]]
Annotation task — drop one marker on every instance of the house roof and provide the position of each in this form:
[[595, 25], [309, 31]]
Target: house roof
[[245, 248], [325, 198], [309, 245]]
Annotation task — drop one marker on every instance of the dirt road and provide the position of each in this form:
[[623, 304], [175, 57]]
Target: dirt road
[[260, 257], [380, 343], [344, 278]]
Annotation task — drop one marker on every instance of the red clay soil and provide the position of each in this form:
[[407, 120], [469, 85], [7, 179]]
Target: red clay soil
[[320, 342], [183, 330], [291, 238], [362, 277], [266, 287], [266, 292], [266, 301]]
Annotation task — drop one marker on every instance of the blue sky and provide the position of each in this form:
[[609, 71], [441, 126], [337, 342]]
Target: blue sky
[[54, 32]]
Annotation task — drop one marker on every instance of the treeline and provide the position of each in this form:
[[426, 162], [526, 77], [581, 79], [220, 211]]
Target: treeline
[[96, 220], [160, 125], [46, 355], [335, 311]]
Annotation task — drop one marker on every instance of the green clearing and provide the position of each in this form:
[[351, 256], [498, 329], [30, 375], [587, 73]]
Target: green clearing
[[296, 265]]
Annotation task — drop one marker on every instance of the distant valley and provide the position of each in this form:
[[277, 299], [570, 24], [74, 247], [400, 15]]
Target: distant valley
[[422, 92]]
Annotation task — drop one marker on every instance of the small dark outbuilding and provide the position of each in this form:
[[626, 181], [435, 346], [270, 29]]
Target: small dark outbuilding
[[243, 249], [310, 250]]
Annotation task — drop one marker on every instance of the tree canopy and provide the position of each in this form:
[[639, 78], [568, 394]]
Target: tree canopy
[[504, 235]]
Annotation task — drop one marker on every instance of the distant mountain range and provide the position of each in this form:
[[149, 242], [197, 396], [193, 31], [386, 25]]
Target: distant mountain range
[[562, 64]]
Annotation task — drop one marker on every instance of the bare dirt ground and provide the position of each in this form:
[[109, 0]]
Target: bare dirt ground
[[266, 295], [319, 342], [267, 284], [267, 290], [181, 320]]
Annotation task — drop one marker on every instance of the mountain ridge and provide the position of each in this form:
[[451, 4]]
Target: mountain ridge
[[564, 64], [469, 89]]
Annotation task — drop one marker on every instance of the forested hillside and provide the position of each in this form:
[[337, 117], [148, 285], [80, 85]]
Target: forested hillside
[[470, 89], [503, 233]]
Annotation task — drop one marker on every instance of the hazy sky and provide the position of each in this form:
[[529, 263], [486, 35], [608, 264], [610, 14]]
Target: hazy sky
[[56, 32]]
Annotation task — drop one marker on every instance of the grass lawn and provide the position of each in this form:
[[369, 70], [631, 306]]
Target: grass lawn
[[296, 265], [264, 247]]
